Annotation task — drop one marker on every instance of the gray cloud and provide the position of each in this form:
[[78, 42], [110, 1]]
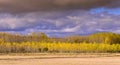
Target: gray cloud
[[60, 16], [39, 5], [65, 23]]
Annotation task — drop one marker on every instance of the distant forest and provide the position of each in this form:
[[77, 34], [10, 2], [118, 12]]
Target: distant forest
[[40, 43], [101, 37]]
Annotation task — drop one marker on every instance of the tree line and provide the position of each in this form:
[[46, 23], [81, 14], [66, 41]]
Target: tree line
[[103, 42], [101, 37]]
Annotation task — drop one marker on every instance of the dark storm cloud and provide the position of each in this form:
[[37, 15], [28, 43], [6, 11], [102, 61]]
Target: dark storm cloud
[[46, 5]]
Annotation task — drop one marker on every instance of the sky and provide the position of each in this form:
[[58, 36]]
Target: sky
[[60, 17]]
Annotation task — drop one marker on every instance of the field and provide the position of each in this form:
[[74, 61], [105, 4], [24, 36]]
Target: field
[[60, 59], [100, 49]]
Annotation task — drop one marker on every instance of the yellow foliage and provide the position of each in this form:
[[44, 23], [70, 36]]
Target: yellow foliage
[[29, 47]]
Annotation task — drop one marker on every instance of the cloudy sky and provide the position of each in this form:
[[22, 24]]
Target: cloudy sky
[[60, 17]]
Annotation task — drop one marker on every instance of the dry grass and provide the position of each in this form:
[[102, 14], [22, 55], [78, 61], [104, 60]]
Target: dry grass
[[60, 59]]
